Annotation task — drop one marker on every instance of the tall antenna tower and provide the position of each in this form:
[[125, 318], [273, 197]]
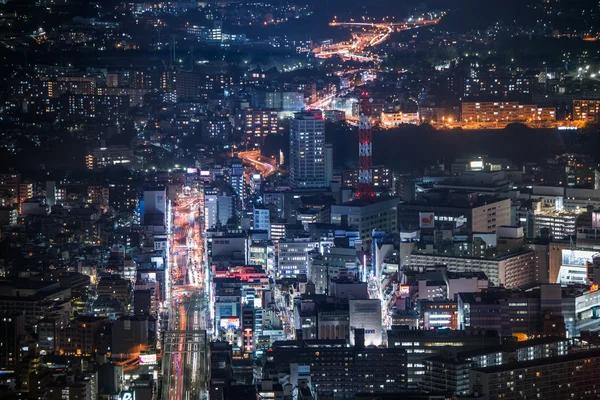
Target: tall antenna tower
[[365, 147]]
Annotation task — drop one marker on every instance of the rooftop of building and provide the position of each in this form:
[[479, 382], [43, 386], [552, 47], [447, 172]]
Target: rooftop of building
[[368, 201], [467, 275], [575, 356], [406, 331], [448, 199], [511, 345], [89, 319]]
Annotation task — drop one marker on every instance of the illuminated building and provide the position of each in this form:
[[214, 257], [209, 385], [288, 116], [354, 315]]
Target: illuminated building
[[123, 196], [559, 224], [81, 336], [392, 120], [438, 314], [84, 107], [116, 287], [98, 195], [76, 85], [555, 378], [108, 156], [35, 300], [366, 315], [283, 101], [479, 213], [308, 167], [258, 124], [8, 216], [236, 179], [13, 190], [381, 215], [261, 219], [586, 110], [505, 112], [293, 256], [212, 35], [135, 95], [344, 371], [333, 321], [277, 230], [451, 372], [512, 270], [365, 147], [216, 130], [382, 178], [421, 344], [12, 326]]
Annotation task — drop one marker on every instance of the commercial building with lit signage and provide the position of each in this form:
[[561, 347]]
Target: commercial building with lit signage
[[581, 310], [366, 314], [574, 266], [477, 213], [439, 314]]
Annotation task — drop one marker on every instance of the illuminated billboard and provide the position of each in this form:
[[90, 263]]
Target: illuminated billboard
[[426, 220], [127, 395], [577, 258], [229, 323], [476, 165], [148, 359], [596, 219], [404, 290]]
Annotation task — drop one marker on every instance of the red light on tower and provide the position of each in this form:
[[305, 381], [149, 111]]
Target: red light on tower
[[365, 147]]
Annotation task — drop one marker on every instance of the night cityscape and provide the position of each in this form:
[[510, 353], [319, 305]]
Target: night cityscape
[[299, 199]]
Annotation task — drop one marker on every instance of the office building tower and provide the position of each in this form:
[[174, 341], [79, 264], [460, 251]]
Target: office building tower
[[293, 256], [307, 151], [262, 220], [12, 326], [218, 209], [236, 180], [155, 207]]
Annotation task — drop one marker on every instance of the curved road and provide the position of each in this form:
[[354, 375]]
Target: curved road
[[258, 162]]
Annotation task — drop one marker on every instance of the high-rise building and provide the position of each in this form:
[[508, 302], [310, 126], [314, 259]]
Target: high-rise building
[[12, 326], [237, 182], [218, 209], [210, 211], [307, 150], [155, 207]]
